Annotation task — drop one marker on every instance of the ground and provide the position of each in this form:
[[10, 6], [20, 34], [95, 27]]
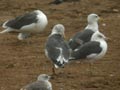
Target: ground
[[21, 63]]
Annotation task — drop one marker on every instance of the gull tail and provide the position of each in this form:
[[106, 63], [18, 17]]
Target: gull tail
[[6, 31], [4, 24]]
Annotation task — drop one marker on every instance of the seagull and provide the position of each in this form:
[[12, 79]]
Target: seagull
[[32, 22], [95, 49], [57, 49], [42, 83], [84, 36]]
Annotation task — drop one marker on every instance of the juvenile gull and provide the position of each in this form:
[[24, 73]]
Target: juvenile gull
[[42, 83], [96, 48], [57, 49], [85, 35], [33, 22]]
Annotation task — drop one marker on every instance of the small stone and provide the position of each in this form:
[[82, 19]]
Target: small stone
[[111, 75], [115, 10], [104, 24]]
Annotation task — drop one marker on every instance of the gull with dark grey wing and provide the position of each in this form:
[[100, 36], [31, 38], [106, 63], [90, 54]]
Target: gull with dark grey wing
[[32, 22], [57, 49], [84, 36]]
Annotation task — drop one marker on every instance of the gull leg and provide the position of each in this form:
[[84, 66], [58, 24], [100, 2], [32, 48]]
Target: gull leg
[[90, 69], [53, 70], [90, 66]]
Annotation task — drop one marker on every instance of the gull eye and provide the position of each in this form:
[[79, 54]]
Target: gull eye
[[100, 36], [96, 16], [46, 76]]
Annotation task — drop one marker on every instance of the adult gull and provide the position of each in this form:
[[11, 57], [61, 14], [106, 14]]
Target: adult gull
[[85, 35], [95, 49], [32, 22], [57, 49]]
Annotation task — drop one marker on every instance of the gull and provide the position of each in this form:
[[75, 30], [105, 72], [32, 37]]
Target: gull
[[42, 83], [30, 23], [84, 36], [93, 50], [57, 50]]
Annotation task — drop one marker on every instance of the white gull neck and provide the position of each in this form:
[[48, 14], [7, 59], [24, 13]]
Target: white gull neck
[[92, 26]]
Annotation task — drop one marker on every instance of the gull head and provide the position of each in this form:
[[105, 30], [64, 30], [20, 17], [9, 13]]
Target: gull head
[[93, 18], [58, 29], [43, 77]]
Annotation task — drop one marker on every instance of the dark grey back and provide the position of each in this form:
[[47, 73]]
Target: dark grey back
[[22, 20], [86, 49], [54, 41], [83, 36]]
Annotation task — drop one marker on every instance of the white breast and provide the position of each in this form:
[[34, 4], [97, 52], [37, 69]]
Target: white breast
[[95, 56], [103, 45], [36, 27], [49, 85]]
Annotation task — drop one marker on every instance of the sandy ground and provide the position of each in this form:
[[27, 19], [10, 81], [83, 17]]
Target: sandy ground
[[21, 63]]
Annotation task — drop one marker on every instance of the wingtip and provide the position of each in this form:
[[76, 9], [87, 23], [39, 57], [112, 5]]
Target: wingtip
[[56, 66]]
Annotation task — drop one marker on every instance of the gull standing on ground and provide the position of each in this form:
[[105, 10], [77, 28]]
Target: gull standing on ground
[[92, 50], [95, 49], [57, 49], [33, 22], [85, 35]]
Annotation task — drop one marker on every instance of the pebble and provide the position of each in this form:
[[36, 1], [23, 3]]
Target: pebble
[[115, 10], [104, 24]]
